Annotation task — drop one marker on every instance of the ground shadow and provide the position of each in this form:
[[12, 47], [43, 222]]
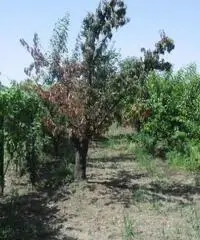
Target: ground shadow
[[29, 217], [53, 178], [184, 191], [125, 186], [120, 188], [112, 159]]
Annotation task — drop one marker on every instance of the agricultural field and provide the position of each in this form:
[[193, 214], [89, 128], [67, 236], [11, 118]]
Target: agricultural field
[[125, 197], [94, 146]]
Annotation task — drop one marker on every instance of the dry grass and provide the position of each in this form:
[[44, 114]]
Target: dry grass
[[125, 199]]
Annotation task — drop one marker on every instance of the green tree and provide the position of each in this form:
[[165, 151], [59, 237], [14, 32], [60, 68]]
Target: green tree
[[3, 111], [138, 70], [23, 129], [21, 113]]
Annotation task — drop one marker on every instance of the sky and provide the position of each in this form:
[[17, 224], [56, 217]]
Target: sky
[[21, 19]]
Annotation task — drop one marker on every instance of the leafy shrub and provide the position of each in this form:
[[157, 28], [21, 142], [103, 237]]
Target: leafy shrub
[[173, 127], [27, 141]]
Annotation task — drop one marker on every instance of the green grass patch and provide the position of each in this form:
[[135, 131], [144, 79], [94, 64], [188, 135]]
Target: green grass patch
[[129, 229]]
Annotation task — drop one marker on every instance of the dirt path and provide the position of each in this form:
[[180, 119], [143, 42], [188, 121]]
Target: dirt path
[[121, 198], [99, 206]]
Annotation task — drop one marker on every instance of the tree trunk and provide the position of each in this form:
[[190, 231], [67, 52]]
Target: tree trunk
[[81, 150], [31, 159], [1, 155], [56, 147], [137, 125]]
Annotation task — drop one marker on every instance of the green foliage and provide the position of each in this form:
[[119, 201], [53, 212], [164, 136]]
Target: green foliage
[[26, 137], [22, 112], [174, 104], [173, 125], [138, 70], [189, 160], [2, 142], [129, 232]]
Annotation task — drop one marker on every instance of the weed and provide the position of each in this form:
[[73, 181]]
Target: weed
[[190, 160], [145, 160], [129, 232], [138, 196], [194, 220]]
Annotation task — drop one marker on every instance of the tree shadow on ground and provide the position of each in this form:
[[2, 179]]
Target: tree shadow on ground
[[54, 178], [112, 159], [184, 191], [125, 186], [120, 187], [29, 217]]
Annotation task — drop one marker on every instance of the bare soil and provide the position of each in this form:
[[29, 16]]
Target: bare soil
[[120, 200]]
